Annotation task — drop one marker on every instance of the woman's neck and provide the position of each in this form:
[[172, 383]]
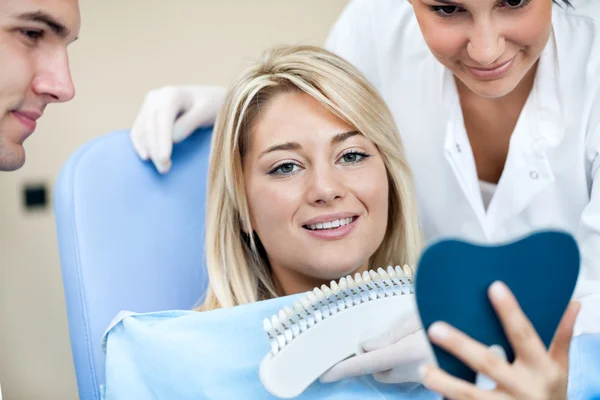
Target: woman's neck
[[288, 281], [490, 123], [512, 102]]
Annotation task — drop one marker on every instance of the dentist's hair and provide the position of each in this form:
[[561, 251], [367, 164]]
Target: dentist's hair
[[238, 269]]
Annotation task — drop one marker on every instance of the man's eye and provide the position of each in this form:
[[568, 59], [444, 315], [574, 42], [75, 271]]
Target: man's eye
[[32, 34]]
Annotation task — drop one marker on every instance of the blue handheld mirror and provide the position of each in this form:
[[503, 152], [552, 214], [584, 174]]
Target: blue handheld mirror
[[453, 277]]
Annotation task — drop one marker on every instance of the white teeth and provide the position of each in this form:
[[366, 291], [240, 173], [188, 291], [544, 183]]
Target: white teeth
[[407, 271], [283, 318], [366, 277], [325, 289], [399, 272], [276, 324], [374, 276], [269, 328], [305, 303], [343, 286], [391, 272], [358, 279], [350, 282], [331, 224], [288, 312], [312, 298], [319, 294], [298, 309], [335, 288]]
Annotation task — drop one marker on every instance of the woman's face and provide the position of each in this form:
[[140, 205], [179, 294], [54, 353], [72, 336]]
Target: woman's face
[[317, 192], [490, 45]]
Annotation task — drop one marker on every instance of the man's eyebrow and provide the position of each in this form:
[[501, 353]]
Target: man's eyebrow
[[340, 137], [55, 25]]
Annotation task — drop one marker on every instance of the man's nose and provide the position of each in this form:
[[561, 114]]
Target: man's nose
[[53, 78]]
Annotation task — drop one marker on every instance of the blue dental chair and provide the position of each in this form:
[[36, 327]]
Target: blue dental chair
[[129, 239]]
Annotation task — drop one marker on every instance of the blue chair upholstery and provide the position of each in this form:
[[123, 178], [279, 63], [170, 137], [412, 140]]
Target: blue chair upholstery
[[129, 239]]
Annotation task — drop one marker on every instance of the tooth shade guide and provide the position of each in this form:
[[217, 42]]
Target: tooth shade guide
[[348, 292], [352, 305]]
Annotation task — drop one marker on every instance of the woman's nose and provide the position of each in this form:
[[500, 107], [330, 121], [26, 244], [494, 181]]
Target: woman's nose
[[325, 186], [486, 44]]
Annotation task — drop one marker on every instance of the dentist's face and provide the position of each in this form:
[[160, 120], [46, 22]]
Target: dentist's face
[[317, 192], [490, 45], [34, 35]]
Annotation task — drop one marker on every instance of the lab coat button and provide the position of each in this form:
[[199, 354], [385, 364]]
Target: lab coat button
[[534, 175]]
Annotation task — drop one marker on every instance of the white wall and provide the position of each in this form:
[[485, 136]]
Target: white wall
[[126, 47]]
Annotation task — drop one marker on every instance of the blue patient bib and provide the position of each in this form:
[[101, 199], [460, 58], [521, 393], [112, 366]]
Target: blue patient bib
[[212, 355]]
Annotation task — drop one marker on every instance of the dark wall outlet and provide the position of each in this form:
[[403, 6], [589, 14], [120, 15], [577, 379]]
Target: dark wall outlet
[[35, 196]]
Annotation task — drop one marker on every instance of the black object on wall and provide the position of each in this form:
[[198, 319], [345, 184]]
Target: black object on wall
[[35, 196]]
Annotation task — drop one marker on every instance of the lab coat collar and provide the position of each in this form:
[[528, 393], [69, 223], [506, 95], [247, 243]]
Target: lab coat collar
[[527, 170], [546, 93], [548, 99]]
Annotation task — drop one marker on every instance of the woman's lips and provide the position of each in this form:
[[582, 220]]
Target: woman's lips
[[491, 73], [334, 233]]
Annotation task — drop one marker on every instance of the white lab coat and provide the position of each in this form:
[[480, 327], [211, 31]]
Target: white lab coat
[[551, 178]]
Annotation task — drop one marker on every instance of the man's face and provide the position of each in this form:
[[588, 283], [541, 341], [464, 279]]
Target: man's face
[[34, 67]]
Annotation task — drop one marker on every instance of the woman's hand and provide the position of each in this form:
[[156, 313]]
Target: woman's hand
[[535, 373]]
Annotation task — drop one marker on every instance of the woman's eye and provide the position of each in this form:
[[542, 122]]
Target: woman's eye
[[353, 157], [445, 11], [284, 169], [515, 3]]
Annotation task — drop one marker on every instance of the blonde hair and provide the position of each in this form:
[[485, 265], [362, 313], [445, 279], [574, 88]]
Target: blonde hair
[[238, 272]]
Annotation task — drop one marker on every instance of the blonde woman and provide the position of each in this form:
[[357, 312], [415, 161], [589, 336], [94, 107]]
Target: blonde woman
[[333, 154], [308, 183]]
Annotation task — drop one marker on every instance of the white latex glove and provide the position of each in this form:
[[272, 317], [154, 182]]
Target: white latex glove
[[169, 115], [392, 357], [396, 355]]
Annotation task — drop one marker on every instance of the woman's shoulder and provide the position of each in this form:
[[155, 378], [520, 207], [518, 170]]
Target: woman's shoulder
[[577, 32], [580, 21]]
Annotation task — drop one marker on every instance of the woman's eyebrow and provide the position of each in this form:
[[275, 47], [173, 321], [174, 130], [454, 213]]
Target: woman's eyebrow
[[449, 3], [289, 146], [340, 137], [283, 146]]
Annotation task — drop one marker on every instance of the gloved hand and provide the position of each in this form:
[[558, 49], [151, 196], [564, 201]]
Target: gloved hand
[[392, 357], [169, 115], [396, 355]]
